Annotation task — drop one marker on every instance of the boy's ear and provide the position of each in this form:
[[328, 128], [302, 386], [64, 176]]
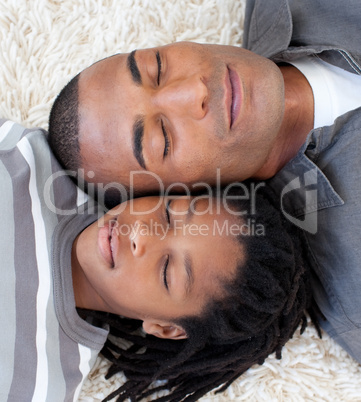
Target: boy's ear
[[163, 329]]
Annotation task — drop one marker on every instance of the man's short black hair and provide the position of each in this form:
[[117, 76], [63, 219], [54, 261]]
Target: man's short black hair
[[64, 126], [64, 141]]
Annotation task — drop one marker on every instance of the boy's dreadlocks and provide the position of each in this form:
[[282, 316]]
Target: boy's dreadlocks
[[262, 308]]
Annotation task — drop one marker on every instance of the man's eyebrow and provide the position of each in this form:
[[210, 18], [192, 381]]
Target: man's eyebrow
[[133, 68], [189, 272], [138, 134]]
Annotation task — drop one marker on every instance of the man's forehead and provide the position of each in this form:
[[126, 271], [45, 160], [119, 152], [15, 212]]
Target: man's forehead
[[100, 67]]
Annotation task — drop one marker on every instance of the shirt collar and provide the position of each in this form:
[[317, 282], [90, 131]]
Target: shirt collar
[[270, 27], [301, 184]]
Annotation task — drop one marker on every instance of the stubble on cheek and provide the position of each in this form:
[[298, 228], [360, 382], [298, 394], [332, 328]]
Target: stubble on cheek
[[216, 103]]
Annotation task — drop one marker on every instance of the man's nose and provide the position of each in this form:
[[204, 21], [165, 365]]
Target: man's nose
[[186, 96]]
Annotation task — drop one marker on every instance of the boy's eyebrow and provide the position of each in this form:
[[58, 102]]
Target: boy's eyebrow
[[138, 134], [187, 257], [133, 68], [189, 272]]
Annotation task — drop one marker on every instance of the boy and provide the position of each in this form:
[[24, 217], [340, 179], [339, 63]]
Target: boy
[[46, 347], [208, 280]]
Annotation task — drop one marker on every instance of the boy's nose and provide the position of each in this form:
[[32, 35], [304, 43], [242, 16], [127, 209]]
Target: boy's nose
[[138, 238]]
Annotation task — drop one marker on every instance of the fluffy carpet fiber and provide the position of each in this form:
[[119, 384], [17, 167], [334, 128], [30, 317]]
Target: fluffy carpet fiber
[[43, 43]]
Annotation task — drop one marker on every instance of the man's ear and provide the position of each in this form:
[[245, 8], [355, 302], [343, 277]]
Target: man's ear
[[163, 329]]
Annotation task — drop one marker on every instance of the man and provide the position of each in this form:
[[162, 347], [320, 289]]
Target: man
[[290, 113]]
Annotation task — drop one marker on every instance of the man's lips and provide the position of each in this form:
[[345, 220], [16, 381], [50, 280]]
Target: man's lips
[[107, 240], [233, 96]]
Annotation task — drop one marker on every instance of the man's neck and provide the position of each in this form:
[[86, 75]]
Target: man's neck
[[297, 122]]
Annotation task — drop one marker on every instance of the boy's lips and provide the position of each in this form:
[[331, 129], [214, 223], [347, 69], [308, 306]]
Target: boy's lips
[[106, 237]]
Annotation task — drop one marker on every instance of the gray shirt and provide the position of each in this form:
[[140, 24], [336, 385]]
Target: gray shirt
[[320, 189], [46, 349]]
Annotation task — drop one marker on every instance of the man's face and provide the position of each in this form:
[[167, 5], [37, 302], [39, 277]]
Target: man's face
[[158, 258], [179, 111]]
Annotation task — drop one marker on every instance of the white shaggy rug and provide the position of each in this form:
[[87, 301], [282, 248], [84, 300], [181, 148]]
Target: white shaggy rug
[[43, 43]]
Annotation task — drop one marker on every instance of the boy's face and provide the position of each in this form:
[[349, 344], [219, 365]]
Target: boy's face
[[180, 112], [157, 260]]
